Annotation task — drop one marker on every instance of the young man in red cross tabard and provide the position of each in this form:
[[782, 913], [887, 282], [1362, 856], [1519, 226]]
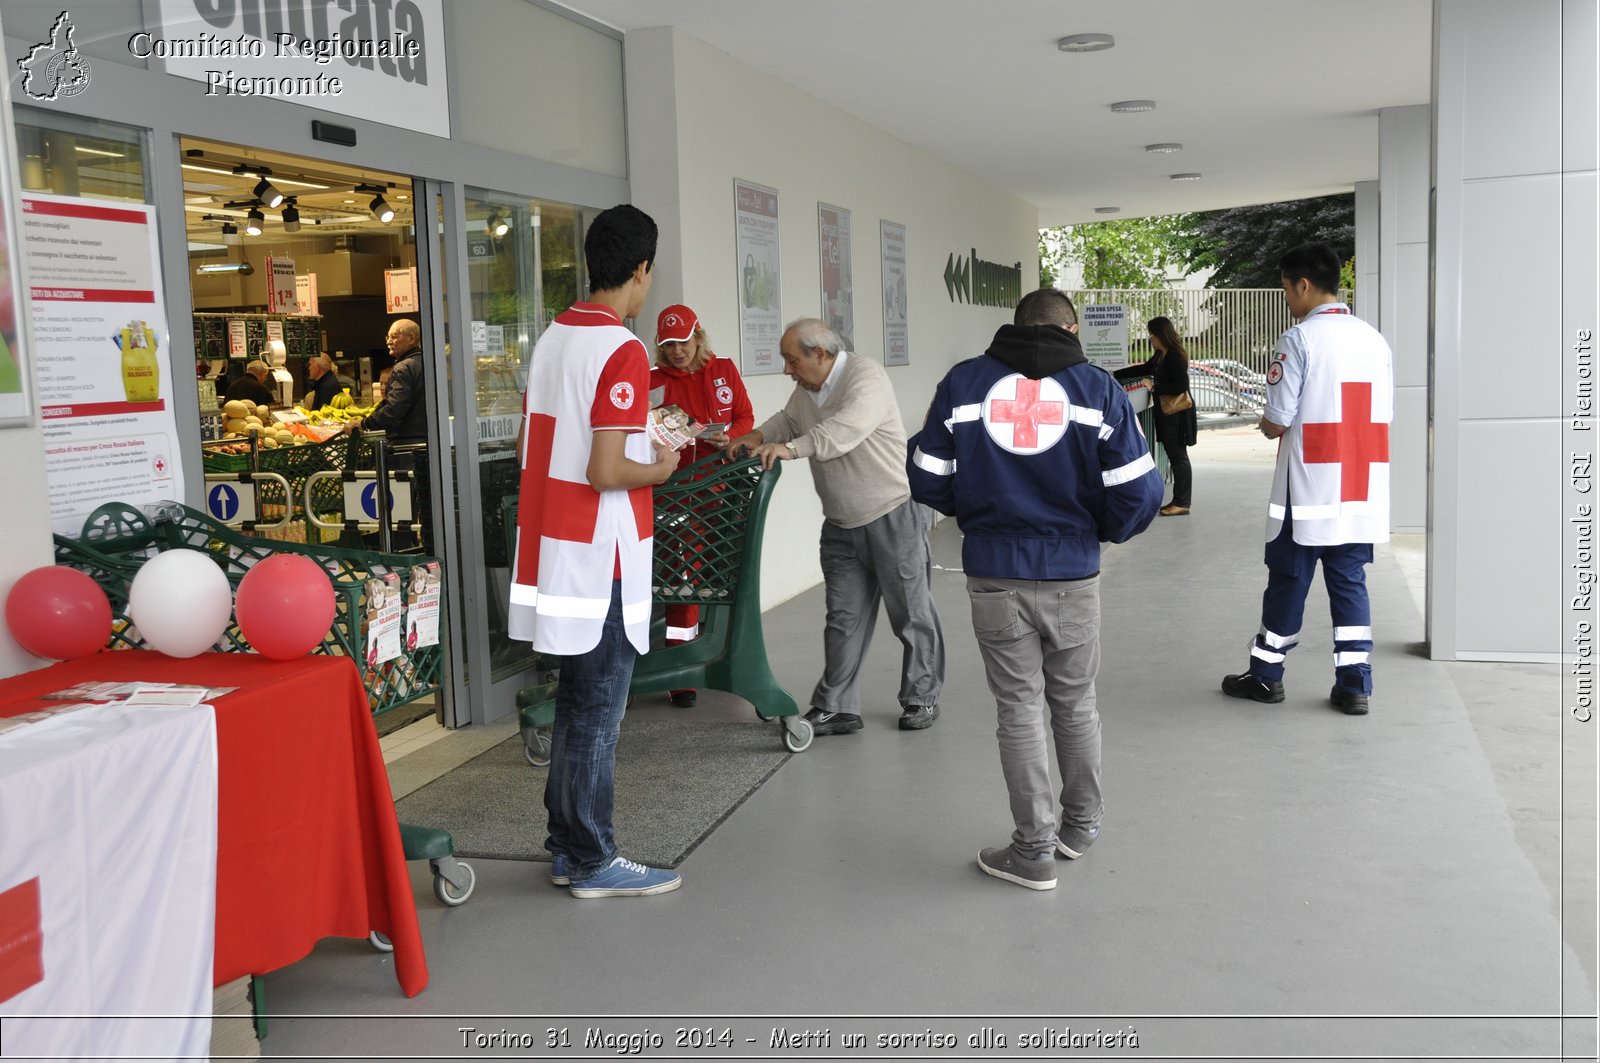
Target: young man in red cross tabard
[[1330, 400]]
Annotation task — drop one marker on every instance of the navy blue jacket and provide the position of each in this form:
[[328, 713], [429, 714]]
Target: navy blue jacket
[[1039, 457]]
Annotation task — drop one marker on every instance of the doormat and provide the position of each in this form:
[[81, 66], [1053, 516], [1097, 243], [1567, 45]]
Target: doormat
[[677, 780]]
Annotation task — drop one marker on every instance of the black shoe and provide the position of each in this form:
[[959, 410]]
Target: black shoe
[[1252, 687], [833, 723], [1348, 701], [684, 699], [917, 717]]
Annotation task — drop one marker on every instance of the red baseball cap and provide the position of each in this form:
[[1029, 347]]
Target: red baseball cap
[[676, 324]]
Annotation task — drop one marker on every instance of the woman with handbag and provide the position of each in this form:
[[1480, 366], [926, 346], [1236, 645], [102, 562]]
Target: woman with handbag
[[1175, 420]]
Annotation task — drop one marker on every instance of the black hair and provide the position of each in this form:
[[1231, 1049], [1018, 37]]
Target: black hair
[[1164, 330], [618, 240], [1317, 263], [1047, 306]]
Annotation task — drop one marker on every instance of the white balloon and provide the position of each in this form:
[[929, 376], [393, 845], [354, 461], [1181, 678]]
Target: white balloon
[[181, 602]]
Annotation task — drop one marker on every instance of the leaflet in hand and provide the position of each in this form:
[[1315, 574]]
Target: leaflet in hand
[[669, 426]]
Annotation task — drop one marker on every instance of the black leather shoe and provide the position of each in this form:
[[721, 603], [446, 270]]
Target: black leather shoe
[[917, 717], [684, 699], [1348, 701], [833, 723], [1252, 687]]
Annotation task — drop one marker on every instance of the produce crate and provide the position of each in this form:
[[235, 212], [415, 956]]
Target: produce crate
[[119, 537]]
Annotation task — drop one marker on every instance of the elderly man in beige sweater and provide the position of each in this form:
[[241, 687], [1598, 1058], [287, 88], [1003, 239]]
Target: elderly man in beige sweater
[[843, 416]]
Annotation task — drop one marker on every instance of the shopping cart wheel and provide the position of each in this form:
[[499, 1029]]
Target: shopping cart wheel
[[536, 747], [797, 733], [453, 881], [379, 942]]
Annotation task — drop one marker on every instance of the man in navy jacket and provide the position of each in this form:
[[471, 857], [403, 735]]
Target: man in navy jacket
[[1039, 457]]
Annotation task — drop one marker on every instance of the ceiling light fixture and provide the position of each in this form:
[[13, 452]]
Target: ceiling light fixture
[[1086, 42], [1133, 106], [242, 268], [497, 225], [269, 196], [381, 209], [197, 168], [1108, 210], [1184, 177], [1163, 149], [254, 221], [291, 217], [81, 150], [230, 233]]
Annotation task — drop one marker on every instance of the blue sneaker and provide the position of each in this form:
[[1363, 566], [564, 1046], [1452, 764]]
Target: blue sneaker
[[558, 871], [624, 878]]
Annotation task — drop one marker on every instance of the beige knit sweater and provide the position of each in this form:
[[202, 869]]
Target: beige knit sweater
[[856, 443]]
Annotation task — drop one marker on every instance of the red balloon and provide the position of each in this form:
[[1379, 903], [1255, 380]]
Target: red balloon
[[284, 606], [59, 613]]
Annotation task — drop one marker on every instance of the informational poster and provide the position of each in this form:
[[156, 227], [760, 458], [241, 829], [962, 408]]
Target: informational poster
[[238, 338], [305, 293], [400, 291], [896, 337], [495, 339], [838, 286], [422, 606], [1103, 330], [384, 606], [16, 385], [478, 331], [755, 228], [99, 347], [282, 289]]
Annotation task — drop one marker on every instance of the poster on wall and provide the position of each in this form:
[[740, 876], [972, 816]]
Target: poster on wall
[[1104, 332], [16, 382], [99, 347], [838, 286], [755, 228], [896, 338]]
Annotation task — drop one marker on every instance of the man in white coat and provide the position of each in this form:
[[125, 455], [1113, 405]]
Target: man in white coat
[[1330, 400]]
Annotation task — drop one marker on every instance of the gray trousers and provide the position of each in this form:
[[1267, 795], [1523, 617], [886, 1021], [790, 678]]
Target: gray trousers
[[1041, 648], [886, 560]]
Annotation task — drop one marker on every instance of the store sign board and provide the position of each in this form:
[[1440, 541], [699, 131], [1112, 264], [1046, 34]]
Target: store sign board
[[495, 339], [400, 290], [305, 293], [282, 294], [1104, 333], [100, 345], [381, 60], [238, 338]]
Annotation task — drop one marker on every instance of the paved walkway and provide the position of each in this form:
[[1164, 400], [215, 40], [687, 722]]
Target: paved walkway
[[1255, 861]]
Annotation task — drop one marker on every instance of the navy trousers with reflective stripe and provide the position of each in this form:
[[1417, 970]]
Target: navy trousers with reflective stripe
[[1290, 569]]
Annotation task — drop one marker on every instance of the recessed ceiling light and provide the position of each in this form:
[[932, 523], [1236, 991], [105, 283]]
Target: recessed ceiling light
[[1108, 210], [1086, 42], [1133, 106], [1163, 149], [1184, 177], [349, 201], [402, 197]]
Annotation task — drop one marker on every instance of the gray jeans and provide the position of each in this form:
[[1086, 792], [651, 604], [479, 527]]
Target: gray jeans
[[1041, 647], [886, 560]]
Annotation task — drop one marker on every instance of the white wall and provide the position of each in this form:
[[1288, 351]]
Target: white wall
[[24, 528], [1404, 156], [698, 118], [1515, 278]]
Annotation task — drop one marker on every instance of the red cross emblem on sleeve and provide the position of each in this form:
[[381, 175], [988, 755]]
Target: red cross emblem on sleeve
[[1355, 442], [1025, 416]]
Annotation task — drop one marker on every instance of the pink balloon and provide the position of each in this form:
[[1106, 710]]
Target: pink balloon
[[59, 613], [284, 606]]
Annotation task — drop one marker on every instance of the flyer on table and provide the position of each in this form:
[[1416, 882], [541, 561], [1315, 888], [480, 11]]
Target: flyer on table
[[99, 352]]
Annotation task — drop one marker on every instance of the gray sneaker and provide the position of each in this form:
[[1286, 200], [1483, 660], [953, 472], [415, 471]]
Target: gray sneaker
[[1004, 863], [1073, 842]]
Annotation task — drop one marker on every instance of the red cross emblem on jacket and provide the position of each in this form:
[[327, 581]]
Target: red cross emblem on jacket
[[1025, 416], [1355, 441]]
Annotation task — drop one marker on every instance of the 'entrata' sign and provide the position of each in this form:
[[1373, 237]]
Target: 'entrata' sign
[[382, 60], [972, 280]]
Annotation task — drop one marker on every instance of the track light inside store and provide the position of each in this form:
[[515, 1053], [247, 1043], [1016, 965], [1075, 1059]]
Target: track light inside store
[[230, 233], [253, 221], [497, 225], [244, 269], [291, 217], [269, 196], [381, 210]]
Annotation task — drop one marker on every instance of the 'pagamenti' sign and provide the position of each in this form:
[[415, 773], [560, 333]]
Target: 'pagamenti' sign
[[382, 60], [972, 280]]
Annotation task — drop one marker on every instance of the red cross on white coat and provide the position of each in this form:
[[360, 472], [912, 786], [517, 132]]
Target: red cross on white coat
[[1355, 442]]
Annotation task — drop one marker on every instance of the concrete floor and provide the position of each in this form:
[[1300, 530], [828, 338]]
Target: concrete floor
[[1271, 881]]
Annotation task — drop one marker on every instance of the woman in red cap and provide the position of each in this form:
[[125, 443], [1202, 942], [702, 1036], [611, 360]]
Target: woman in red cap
[[709, 389]]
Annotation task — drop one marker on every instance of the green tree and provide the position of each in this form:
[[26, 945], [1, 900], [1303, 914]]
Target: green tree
[[1126, 253], [1244, 243]]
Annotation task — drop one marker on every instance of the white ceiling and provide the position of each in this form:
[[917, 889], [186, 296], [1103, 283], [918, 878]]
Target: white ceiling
[[1272, 99]]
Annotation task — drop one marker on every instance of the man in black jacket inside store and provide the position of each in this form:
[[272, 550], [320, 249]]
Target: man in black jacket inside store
[[404, 412]]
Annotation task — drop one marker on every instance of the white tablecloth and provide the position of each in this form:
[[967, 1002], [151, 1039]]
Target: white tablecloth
[[110, 813]]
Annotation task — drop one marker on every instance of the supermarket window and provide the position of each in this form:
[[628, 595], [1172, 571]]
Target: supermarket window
[[67, 155]]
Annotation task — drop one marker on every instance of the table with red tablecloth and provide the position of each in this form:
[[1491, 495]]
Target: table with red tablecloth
[[308, 845]]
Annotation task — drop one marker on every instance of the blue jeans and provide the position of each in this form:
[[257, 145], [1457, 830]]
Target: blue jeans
[[580, 790]]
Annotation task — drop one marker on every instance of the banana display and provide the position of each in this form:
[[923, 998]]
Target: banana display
[[340, 408], [243, 419]]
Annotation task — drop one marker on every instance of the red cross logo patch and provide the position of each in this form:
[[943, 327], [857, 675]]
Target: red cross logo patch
[[725, 395], [622, 395], [1355, 442], [1025, 416], [1274, 372]]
